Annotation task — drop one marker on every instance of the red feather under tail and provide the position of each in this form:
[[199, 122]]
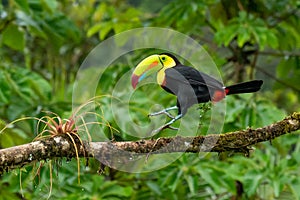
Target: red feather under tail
[[245, 87]]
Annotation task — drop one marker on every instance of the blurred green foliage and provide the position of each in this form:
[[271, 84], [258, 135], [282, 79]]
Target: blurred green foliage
[[44, 42]]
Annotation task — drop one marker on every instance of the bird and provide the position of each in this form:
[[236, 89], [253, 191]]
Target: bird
[[189, 85]]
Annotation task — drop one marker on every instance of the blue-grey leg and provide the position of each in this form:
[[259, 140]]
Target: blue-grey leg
[[164, 111], [168, 125]]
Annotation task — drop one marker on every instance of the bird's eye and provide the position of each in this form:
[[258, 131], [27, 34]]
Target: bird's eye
[[163, 58]]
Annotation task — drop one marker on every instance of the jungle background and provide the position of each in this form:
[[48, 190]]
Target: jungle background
[[43, 44]]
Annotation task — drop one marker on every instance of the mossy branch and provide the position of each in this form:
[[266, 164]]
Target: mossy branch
[[62, 146]]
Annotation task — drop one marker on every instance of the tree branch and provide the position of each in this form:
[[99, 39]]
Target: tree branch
[[61, 146]]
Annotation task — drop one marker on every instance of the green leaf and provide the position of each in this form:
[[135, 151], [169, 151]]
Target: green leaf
[[3, 98], [39, 87], [31, 22], [60, 25], [268, 113], [116, 190], [154, 187], [5, 91], [175, 184], [191, 183], [226, 35], [14, 37], [251, 181], [94, 29], [50, 6], [106, 28], [23, 4], [13, 137], [16, 109], [243, 36], [277, 186], [272, 40], [211, 177], [169, 177], [294, 187], [260, 35]]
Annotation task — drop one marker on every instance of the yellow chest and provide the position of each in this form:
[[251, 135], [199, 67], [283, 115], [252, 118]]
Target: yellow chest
[[161, 76]]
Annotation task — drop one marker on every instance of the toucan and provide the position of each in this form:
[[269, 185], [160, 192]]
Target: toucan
[[187, 83]]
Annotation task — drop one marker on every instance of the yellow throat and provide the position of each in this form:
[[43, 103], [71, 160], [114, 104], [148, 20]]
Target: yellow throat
[[167, 62]]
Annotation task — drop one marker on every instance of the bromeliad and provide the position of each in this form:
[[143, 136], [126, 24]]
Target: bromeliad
[[188, 84]]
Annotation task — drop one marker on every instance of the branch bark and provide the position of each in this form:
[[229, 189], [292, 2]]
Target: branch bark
[[61, 146]]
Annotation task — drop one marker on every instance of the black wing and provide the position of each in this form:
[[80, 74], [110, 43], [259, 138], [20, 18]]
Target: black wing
[[190, 86], [181, 74]]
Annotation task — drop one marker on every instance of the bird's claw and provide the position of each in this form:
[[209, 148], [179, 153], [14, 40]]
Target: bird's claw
[[172, 128], [168, 125], [165, 112], [161, 112], [164, 127]]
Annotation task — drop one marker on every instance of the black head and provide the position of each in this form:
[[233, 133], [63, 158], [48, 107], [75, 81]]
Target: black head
[[172, 56]]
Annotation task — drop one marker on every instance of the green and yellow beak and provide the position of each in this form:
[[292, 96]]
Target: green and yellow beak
[[146, 67]]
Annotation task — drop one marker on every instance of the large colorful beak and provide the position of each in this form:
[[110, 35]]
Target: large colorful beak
[[146, 67]]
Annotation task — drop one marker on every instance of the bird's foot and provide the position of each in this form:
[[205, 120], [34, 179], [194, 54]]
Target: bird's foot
[[173, 128], [160, 113], [168, 125], [164, 127], [164, 111]]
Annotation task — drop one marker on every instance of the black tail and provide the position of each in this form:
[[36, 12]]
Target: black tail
[[246, 87]]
